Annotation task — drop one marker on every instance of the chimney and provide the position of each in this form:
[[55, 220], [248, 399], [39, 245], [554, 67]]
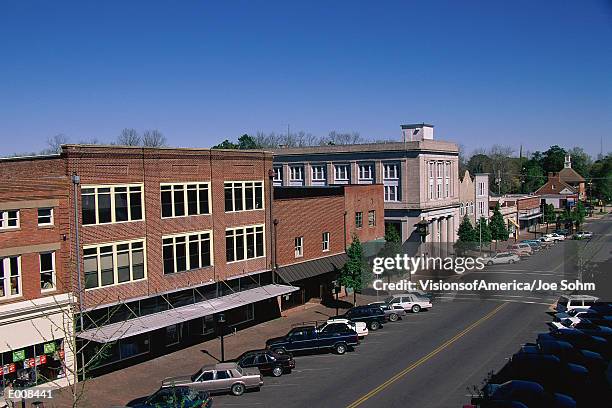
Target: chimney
[[417, 132]]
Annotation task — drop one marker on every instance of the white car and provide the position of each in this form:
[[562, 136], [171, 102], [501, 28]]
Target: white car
[[360, 327], [410, 302], [502, 258], [554, 237], [583, 235], [567, 303]]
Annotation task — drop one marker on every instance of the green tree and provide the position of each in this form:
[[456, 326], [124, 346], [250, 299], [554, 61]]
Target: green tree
[[578, 214], [226, 144], [466, 235], [601, 173], [553, 159], [392, 247], [499, 232], [246, 142], [581, 161], [482, 230], [549, 214], [353, 272], [532, 175]]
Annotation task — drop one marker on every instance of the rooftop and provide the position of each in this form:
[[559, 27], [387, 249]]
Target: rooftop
[[421, 145]]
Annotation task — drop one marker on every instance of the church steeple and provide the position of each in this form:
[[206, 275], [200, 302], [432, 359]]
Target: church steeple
[[568, 161]]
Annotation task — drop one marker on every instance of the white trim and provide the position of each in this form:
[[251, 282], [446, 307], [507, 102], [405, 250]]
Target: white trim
[[114, 245], [112, 188], [4, 219], [242, 185], [53, 271], [243, 229], [185, 198], [52, 218], [298, 244], [187, 254], [6, 281]]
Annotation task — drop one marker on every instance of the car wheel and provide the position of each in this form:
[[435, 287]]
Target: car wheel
[[279, 351], [393, 317], [237, 389], [374, 326], [277, 371], [340, 348], [511, 261], [416, 308], [490, 263]]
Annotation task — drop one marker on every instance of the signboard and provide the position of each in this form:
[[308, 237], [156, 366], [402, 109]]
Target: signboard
[[18, 355], [49, 348]]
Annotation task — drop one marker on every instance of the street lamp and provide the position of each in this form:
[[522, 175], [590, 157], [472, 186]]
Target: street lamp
[[221, 323]]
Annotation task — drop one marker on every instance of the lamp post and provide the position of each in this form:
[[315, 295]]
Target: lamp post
[[76, 181], [221, 322]]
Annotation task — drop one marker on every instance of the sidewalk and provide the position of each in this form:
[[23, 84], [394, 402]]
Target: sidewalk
[[119, 387]]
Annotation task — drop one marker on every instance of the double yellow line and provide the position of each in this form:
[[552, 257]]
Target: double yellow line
[[422, 360]]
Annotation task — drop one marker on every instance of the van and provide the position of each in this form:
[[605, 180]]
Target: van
[[570, 302]]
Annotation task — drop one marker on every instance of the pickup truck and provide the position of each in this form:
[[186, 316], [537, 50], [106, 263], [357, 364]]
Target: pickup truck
[[337, 337]]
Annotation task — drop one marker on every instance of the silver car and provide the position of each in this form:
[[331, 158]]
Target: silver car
[[221, 377], [392, 312]]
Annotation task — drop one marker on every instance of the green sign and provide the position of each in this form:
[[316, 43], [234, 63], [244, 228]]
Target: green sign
[[18, 355], [49, 348]]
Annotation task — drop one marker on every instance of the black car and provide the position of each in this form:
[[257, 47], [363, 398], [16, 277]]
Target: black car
[[371, 315], [337, 337], [172, 397], [528, 393], [267, 361]]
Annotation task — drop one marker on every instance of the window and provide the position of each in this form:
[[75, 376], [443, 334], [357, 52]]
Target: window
[[278, 174], [299, 247], [325, 241], [186, 252], [342, 172], [365, 172], [371, 218], [359, 219], [10, 276], [439, 183], [431, 179], [296, 173], [243, 195], [9, 219], [462, 210], [114, 263], [447, 166], [390, 171], [45, 216], [244, 243], [179, 200], [109, 204], [318, 173], [391, 193], [47, 271]]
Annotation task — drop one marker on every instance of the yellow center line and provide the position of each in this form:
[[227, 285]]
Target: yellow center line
[[422, 360]]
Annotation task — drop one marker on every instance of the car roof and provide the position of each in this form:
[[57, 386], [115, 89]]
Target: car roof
[[225, 366], [582, 297]]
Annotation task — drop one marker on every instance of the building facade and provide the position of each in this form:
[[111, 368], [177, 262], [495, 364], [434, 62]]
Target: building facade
[[474, 196], [419, 178]]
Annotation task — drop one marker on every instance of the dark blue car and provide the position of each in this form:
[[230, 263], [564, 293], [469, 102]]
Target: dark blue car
[[527, 393], [173, 397]]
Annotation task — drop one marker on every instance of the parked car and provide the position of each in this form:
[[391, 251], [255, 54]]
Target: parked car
[[410, 302], [534, 244], [583, 235], [502, 258], [360, 327], [569, 302], [373, 316], [555, 237], [584, 326], [521, 249], [579, 340], [337, 337], [393, 313], [561, 231], [172, 397], [528, 393], [267, 361], [221, 377]]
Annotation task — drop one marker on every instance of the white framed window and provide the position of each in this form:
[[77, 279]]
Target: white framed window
[[471, 207], [9, 219], [390, 171], [278, 174], [461, 210], [244, 243], [358, 219], [184, 199], [296, 173], [45, 217], [391, 193], [299, 246], [186, 252], [318, 173], [439, 174], [447, 188], [341, 172], [325, 241], [114, 263], [365, 172], [430, 171], [243, 195], [371, 218], [112, 203], [481, 208], [47, 271], [447, 166], [10, 276]]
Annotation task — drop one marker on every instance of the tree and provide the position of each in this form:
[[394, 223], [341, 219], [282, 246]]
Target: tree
[[352, 274], [553, 159], [226, 144], [392, 247], [532, 174], [578, 214], [54, 144], [482, 230], [129, 137], [549, 214], [601, 177], [466, 235], [246, 142], [499, 232], [153, 138], [581, 161], [479, 163]]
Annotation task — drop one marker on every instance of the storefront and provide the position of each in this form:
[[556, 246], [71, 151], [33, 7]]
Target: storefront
[[29, 366]]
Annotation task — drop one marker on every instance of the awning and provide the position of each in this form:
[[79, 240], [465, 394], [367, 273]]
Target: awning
[[529, 217], [514, 222], [309, 269], [132, 327]]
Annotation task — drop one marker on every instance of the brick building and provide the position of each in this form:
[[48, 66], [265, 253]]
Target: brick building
[[35, 314], [313, 227]]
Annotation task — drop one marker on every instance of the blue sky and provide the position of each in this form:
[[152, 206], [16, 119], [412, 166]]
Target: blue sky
[[483, 72]]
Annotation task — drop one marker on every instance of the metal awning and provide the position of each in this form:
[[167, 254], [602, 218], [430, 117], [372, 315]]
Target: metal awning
[[529, 217], [309, 269], [132, 327]]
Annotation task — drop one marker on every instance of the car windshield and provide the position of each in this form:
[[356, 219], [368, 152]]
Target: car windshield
[[389, 299], [196, 375], [240, 370]]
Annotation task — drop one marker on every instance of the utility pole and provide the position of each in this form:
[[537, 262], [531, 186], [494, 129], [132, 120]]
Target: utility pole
[[498, 181]]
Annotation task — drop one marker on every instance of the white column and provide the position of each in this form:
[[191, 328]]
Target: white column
[[443, 236]]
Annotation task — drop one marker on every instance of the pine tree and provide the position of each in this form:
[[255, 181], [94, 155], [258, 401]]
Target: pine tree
[[466, 235], [482, 230], [499, 232]]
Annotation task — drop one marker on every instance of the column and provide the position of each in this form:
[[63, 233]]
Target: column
[[450, 234], [443, 236], [434, 238], [329, 173], [285, 174], [307, 174]]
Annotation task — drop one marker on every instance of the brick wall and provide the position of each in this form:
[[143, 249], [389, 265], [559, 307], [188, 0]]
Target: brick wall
[[364, 198], [528, 203]]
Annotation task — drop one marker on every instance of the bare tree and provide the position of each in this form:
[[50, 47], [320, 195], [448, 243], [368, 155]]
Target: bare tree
[[129, 137], [54, 144], [153, 138]]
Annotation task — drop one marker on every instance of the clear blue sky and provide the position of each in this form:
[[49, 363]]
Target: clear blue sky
[[483, 72]]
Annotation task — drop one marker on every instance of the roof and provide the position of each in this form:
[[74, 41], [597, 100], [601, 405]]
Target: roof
[[560, 185], [144, 324], [307, 192], [417, 145], [308, 269], [570, 175], [416, 125]]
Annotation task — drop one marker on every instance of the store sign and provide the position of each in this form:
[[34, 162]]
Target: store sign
[[49, 348], [7, 369], [18, 355], [32, 362]]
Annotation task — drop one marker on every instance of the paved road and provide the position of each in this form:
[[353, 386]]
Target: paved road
[[431, 359]]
